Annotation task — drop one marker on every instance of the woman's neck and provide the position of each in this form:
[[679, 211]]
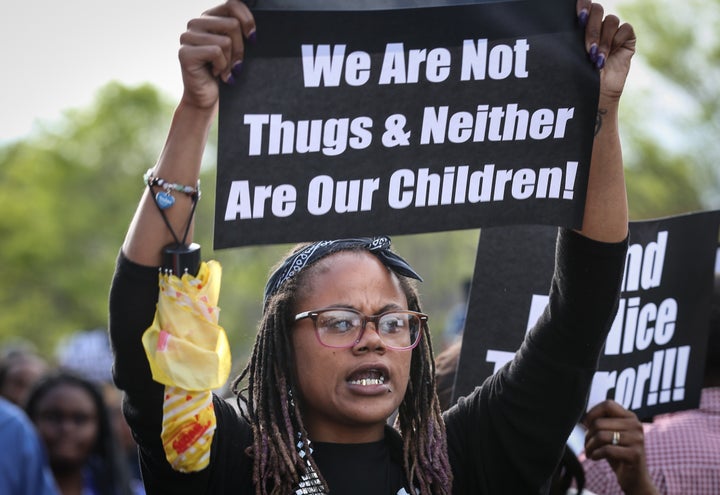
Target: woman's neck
[[333, 433], [70, 482]]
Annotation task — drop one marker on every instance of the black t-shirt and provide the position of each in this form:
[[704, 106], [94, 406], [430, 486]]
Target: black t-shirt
[[359, 469], [504, 438]]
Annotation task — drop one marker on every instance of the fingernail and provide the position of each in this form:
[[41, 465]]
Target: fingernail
[[600, 61], [593, 53], [583, 17], [252, 37], [237, 68], [230, 79]]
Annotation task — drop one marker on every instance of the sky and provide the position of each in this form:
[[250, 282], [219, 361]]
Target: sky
[[55, 56]]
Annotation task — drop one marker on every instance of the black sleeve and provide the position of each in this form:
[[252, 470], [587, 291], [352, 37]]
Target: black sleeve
[[508, 435], [133, 298]]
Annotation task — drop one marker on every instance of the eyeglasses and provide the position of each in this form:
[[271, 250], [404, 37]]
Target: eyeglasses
[[344, 327]]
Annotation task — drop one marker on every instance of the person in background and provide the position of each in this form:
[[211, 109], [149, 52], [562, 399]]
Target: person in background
[[87, 353], [72, 419], [20, 368], [446, 364], [682, 448], [615, 435], [23, 464]]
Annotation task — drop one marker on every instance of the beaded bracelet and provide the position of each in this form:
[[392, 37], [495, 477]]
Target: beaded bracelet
[[165, 199]]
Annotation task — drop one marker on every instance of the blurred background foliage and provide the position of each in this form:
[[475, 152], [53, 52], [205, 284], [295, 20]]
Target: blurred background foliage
[[671, 112], [68, 191]]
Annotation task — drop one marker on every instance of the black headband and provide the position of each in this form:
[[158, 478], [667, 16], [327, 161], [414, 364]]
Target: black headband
[[379, 246]]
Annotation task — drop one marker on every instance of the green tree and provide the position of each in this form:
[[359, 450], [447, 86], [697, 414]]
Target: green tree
[[671, 116], [64, 197]]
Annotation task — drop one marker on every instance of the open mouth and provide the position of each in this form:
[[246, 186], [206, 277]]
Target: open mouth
[[367, 377]]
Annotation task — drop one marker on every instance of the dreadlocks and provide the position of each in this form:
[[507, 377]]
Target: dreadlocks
[[282, 458], [270, 405], [420, 417]]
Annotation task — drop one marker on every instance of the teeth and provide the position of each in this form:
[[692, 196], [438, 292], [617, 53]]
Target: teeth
[[369, 381]]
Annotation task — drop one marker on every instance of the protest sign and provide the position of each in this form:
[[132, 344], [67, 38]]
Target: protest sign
[[654, 355], [399, 121]]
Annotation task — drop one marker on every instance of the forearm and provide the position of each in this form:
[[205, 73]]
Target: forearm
[[179, 163], [583, 299], [606, 211]]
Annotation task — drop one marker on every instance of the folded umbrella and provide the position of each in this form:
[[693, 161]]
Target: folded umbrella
[[189, 353]]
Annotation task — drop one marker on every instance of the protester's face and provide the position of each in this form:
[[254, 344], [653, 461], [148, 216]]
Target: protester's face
[[337, 406], [67, 421], [20, 378]]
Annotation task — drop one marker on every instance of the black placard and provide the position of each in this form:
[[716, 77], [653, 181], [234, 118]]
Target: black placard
[[654, 356], [400, 121]]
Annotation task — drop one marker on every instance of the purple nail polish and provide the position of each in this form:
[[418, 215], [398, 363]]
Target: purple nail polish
[[252, 37], [237, 68], [230, 79], [593, 53], [583, 17], [600, 61]]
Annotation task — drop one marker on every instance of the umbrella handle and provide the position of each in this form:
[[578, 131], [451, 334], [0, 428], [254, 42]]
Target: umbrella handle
[[181, 258]]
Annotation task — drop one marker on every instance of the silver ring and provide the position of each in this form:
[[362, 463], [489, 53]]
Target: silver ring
[[616, 438]]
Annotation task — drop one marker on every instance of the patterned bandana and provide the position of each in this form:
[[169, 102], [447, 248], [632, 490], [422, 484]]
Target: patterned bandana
[[379, 246]]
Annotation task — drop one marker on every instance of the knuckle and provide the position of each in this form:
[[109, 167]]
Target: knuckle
[[191, 24], [225, 43], [233, 23]]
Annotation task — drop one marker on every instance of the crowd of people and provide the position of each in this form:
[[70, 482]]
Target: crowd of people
[[66, 422], [343, 392]]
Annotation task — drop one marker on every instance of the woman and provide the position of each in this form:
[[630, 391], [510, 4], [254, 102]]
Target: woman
[[73, 422], [317, 400]]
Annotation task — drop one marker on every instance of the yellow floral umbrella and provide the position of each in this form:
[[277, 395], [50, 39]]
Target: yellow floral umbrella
[[188, 353]]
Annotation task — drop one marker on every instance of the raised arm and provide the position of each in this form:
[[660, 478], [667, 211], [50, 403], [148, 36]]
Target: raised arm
[[212, 48], [611, 47], [524, 413]]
